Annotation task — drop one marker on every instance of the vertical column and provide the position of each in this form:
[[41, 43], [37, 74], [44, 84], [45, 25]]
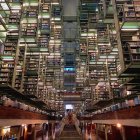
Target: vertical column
[[118, 132], [96, 131], [24, 64], [70, 36], [121, 58], [123, 133], [49, 130], [108, 80], [16, 74], [106, 130]]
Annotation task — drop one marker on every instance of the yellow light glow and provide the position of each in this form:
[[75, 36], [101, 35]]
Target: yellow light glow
[[55, 3], [119, 125], [23, 125], [6, 130]]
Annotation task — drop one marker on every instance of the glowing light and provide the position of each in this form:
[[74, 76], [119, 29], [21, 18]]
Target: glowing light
[[55, 3], [6, 130], [23, 125], [69, 106], [132, 29], [4, 6], [119, 125]]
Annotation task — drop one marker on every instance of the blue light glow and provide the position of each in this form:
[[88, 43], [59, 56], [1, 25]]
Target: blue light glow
[[69, 69]]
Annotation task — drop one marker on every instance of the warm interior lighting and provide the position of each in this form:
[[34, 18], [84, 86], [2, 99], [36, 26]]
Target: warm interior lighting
[[23, 125], [56, 19], [58, 27], [104, 44], [6, 130], [55, 3], [119, 125]]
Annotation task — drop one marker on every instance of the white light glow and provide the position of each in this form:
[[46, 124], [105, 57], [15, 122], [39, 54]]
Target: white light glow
[[55, 3], [4, 6], [69, 106], [125, 29], [56, 19], [103, 44]]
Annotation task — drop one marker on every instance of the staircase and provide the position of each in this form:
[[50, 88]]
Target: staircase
[[70, 133]]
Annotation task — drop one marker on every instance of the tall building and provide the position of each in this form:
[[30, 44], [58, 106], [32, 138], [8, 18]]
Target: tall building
[[79, 53]]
